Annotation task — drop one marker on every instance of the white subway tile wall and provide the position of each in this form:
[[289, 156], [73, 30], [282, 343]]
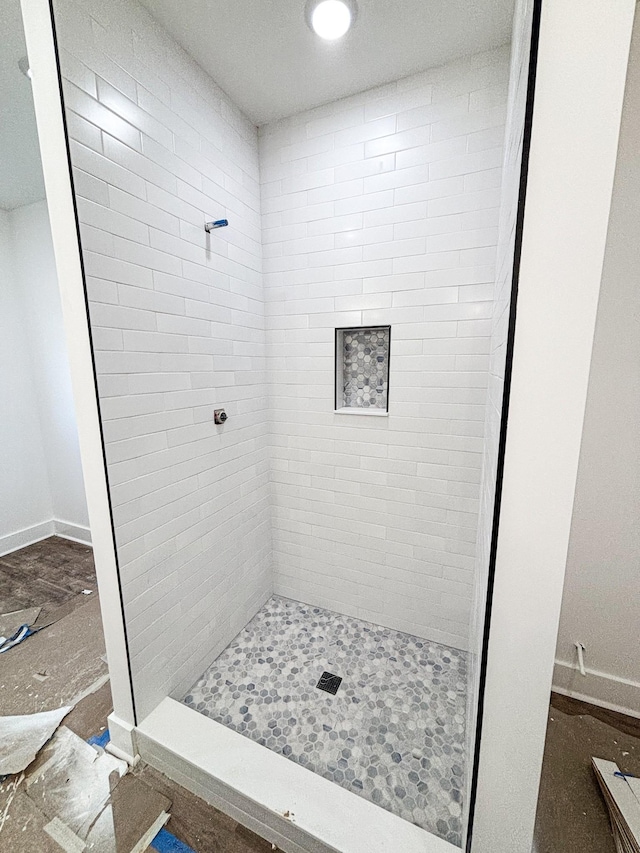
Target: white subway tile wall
[[378, 209], [383, 209], [178, 327]]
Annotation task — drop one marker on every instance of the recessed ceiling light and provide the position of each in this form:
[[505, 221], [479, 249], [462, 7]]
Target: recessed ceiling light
[[330, 19]]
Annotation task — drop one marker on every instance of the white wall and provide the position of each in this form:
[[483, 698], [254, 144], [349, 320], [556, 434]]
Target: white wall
[[382, 208], [37, 284], [25, 497], [41, 488], [178, 326], [601, 600]]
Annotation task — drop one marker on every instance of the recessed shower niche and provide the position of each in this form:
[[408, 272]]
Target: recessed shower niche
[[362, 370]]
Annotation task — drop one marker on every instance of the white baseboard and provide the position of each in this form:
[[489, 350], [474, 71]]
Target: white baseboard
[[74, 532], [123, 738], [11, 542], [28, 536], [598, 688]]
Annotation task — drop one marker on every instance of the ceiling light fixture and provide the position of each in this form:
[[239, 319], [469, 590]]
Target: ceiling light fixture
[[331, 19]]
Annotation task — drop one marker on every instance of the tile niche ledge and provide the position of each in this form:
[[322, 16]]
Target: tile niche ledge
[[353, 410]]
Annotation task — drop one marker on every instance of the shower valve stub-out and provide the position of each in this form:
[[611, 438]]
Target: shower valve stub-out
[[218, 223]]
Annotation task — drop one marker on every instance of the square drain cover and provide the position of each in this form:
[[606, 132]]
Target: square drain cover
[[329, 683]]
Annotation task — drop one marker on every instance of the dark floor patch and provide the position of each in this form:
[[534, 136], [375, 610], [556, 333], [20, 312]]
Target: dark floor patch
[[89, 717], [23, 825], [329, 683], [47, 574], [199, 825], [57, 665], [64, 659], [622, 722], [572, 816]]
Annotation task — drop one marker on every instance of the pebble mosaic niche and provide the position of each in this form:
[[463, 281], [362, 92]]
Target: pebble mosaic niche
[[362, 369], [393, 733]]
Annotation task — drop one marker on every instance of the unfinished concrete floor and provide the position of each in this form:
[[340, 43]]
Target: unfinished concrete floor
[[46, 574], [63, 662], [572, 816], [64, 665]]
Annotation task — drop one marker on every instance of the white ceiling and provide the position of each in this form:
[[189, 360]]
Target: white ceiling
[[262, 53], [21, 179]]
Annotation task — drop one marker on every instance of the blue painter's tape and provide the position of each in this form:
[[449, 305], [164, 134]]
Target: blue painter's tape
[[100, 740], [21, 634], [166, 842], [219, 223]]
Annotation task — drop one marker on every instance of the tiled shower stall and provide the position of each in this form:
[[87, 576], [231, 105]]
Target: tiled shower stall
[[383, 209], [343, 320]]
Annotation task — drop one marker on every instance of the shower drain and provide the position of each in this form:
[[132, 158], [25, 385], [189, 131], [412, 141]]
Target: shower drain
[[329, 683]]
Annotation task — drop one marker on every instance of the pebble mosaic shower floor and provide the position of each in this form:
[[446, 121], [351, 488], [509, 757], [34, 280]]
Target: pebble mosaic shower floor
[[394, 731]]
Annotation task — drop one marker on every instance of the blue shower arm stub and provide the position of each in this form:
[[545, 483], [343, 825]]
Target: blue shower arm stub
[[218, 223]]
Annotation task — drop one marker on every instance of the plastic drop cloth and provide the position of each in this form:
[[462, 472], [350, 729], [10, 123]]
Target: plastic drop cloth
[[21, 738]]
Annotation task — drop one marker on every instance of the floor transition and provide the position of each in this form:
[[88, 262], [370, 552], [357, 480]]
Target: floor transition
[[393, 732]]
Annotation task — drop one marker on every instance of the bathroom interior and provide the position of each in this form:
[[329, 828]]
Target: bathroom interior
[[311, 237], [308, 293]]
